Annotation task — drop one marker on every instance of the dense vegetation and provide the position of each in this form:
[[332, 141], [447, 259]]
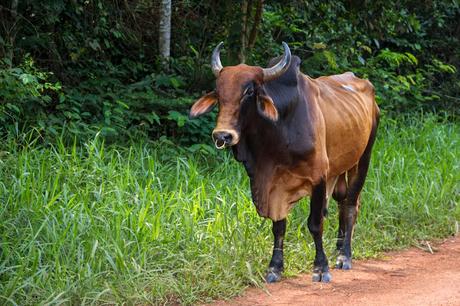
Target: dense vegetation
[[80, 67], [144, 223], [110, 194]]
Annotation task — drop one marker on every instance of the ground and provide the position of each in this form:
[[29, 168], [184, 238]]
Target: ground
[[417, 276]]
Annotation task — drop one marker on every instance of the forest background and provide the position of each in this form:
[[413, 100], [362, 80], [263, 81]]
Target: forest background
[[79, 67]]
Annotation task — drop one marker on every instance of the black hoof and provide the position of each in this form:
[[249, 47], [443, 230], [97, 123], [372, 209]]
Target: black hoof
[[343, 262], [273, 275], [319, 276]]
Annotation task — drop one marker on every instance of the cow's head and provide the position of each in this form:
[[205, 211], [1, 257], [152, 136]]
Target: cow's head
[[236, 85]]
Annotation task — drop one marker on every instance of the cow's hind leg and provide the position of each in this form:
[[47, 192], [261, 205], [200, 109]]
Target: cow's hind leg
[[339, 194], [315, 225], [349, 205], [275, 269]]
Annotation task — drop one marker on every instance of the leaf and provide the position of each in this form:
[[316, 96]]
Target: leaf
[[27, 78], [155, 117], [62, 98], [330, 57], [366, 48], [94, 44], [179, 118], [175, 82], [195, 52], [319, 46], [412, 58], [108, 131], [119, 102], [13, 107]]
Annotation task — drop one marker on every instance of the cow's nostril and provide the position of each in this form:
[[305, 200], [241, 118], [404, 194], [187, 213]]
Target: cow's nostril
[[227, 137], [221, 139]]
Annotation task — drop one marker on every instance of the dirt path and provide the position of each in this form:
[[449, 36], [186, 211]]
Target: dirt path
[[412, 277]]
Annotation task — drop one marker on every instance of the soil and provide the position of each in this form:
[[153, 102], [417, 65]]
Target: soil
[[416, 276]]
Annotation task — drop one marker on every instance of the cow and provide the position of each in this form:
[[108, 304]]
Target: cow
[[296, 136]]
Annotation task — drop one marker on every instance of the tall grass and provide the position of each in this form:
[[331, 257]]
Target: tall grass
[[152, 223]]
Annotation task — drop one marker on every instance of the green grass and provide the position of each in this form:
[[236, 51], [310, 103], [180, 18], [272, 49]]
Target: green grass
[[152, 223]]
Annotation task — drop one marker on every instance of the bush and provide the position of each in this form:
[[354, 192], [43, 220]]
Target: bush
[[26, 94]]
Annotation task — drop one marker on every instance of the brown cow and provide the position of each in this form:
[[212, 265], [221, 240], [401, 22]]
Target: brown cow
[[296, 137]]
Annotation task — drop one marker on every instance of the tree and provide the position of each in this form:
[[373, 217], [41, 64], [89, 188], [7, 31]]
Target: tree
[[248, 38], [164, 41]]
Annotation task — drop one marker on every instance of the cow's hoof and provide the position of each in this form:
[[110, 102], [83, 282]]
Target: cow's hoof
[[319, 276], [273, 275], [343, 262]]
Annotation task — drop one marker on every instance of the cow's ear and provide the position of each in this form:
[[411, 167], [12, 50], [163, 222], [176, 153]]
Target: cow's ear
[[266, 107], [204, 105]]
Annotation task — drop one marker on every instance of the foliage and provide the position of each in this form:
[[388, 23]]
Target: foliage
[[409, 51], [90, 66], [156, 223], [31, 98], [26, 93]]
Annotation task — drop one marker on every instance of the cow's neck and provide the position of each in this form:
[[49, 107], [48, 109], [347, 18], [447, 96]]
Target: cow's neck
[[282, 142]]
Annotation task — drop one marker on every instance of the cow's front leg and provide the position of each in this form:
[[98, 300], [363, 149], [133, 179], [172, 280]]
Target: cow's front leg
[[276, 266], [315, 225]]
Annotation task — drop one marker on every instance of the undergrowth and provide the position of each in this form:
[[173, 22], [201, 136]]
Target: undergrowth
[[151, 222]]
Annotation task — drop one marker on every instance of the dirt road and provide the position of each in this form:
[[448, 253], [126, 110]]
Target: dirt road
[[412, 277]]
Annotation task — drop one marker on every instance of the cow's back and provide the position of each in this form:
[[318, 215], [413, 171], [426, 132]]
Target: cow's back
[[348, 107]]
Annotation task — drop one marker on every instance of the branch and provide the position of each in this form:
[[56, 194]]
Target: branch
[[14, 8]]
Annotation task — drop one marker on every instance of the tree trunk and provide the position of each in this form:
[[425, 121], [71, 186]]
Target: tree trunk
[[255, 25], [245, 9], [14, 8], [11, 33], [164, 40]]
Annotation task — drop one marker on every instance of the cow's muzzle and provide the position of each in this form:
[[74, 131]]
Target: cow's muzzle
[[224, 138]]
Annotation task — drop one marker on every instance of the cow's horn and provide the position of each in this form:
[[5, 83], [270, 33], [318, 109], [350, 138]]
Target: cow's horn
[[281, 67], [216, 65]]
